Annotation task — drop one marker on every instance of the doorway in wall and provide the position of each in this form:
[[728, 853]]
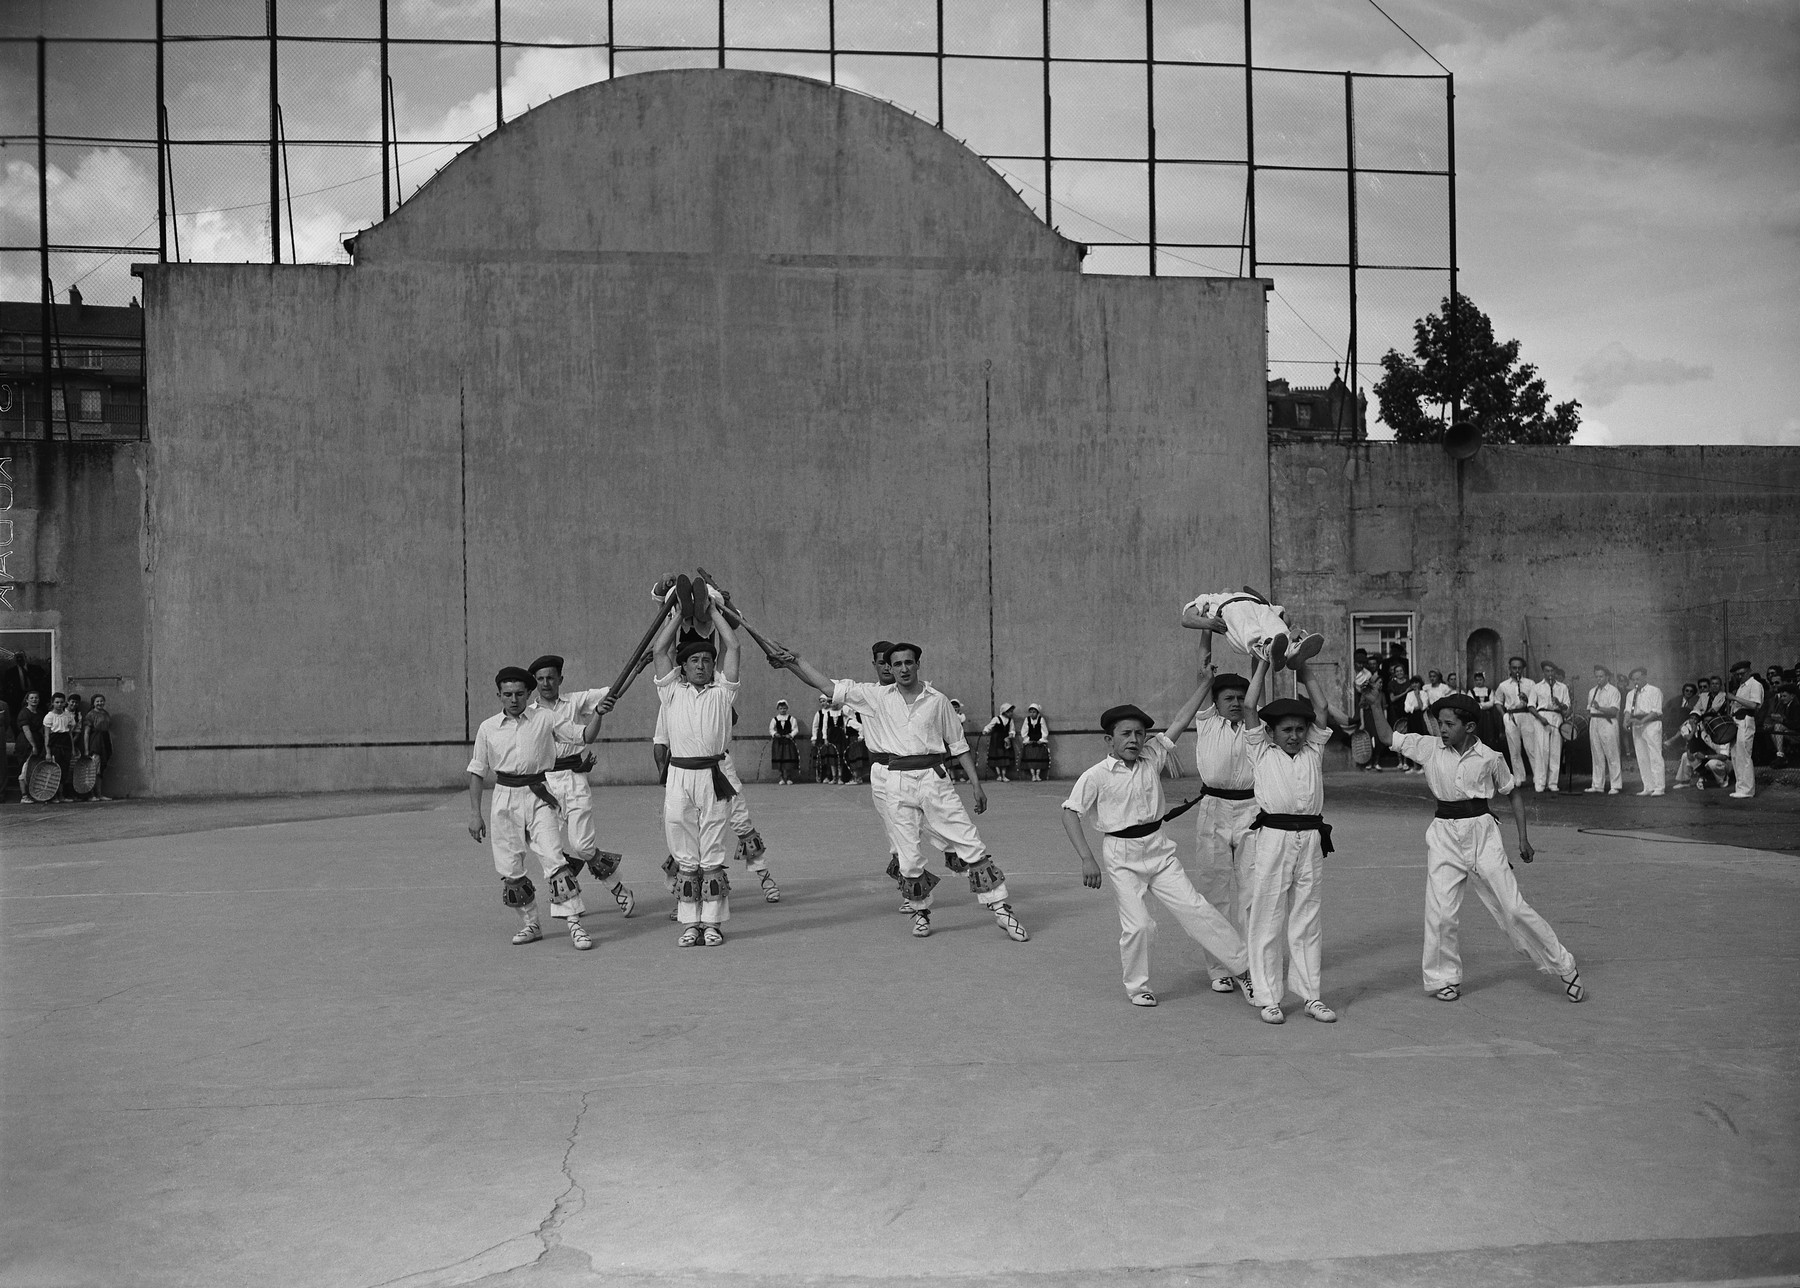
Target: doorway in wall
[[1385, 635], [1484, 656]]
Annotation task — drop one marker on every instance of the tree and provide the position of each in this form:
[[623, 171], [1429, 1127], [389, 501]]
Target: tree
[[1506, 401]]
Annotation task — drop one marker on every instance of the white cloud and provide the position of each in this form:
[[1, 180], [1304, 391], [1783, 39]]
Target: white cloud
[[1606, 375]]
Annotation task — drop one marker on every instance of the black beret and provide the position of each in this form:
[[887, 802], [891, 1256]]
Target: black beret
[[1283, 707], [1461, 703], [880, 649], [1230, 680], [507, 674], [1741, 666], [548, 659], [1126, 711], [692, 647]]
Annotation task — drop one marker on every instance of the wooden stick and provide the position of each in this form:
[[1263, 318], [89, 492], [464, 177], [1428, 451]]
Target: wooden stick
[[631, 668], [736, 619]]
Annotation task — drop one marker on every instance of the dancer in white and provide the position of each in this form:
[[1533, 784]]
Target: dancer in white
[[1603, 706], [1517, 697], [568, 780], [1644, 713], [1253, 625], [1463, 845]]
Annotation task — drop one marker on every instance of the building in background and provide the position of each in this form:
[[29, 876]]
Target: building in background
[[96, 370], [1318, 411]]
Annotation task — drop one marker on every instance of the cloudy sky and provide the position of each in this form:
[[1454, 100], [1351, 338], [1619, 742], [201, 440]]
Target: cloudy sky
[[1628, 170]]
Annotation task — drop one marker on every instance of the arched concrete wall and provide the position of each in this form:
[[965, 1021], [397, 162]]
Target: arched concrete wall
[[726, 318]]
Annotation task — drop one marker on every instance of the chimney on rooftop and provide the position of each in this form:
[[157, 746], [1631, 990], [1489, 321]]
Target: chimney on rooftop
[[75, 303]]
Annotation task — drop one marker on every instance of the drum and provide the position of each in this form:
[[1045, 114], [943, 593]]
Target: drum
[[1720, 727], [1573, 727], [1362, 747], [40, 779], [84, 773]]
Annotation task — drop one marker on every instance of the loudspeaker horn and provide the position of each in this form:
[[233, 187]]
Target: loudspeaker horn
[[1462, 440]]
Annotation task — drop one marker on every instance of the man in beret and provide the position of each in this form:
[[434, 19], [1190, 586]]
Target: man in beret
[[1124, 796], [697, 688], [518, 747], [1288, 842], [1463, 845], [918, 734], [568, 779], [1746, 703], [1227, 805]]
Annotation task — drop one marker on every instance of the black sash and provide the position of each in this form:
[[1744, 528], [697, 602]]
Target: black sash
[[1297, 823], [935, 761], [1146, 829], [577, 761], [1230, 793], [1477, 808], [722, 787], [533, 781]]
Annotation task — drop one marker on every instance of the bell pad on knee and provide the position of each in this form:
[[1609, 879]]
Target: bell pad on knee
[[687, 887], [954, 862], [985, 876], [893, 867], [670, 869], [919, 887], [517, 892], [564, 886], [715, 884], [750, 846], [603, 864]]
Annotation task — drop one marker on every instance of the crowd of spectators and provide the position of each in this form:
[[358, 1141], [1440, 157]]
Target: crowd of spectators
[[1719, 728], [64, 727]]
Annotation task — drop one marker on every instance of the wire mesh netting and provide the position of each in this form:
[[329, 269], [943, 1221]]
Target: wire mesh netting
[[1125, 126]]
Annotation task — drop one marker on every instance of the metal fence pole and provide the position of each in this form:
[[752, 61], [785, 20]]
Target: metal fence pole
[[940, 64], [162, 144], [1249, 149], [612, 41], [1456, 355], [274, 146], [387, 197], [831, 35], [721, 33], [1150, 117], [44, 297], [1047, 198], [499, 73], [1350, 195]]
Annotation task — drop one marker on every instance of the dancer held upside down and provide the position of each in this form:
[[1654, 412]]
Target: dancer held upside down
[[1463, 845], [917, 733], [1253, 625]]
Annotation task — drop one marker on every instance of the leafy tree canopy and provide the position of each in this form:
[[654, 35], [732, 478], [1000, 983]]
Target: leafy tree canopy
[[1502, 398]]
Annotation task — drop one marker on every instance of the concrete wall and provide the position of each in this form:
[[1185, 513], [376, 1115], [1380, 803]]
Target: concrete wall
[[70, 516], [722, 318], [1680, 559]]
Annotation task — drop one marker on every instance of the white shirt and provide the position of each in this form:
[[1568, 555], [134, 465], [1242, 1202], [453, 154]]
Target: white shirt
[[522, 744], [698, 720], [1515, 696], [1483, 695], [1042, 735], [1647, 700], [574, 707], [925, 727], [1220, 756], [1602, 695], [1751, 690], [1433, 692], [1122, 795], [1480, 773], [777, 729], [59, 722], [1288, 784], [1551, 693]]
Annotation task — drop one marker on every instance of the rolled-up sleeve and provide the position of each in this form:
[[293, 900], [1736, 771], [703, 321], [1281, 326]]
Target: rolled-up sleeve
[[480, 758], [1085, 794], [950, 729]]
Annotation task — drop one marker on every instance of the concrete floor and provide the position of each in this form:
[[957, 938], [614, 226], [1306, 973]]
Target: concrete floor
[[287, 1042]]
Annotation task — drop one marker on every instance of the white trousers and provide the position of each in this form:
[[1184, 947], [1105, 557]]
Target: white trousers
[[1285, 873], [1603, 743], [1646, 742], [572, 788], [1250, 626], [1136, 864], [1221, 866], [919, 807], [1524, 733], [1459, 850], [740, 810], [694, 825], [1743, 762], [519, 823], [1550, 739]]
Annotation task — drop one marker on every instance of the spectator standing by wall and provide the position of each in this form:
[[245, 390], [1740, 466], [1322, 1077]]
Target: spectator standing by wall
[[1747, 698], [1603, 706], [999, 734], [1782, 712], [29, 728], [24, 676], [59, 742], [1644, 713], [1517, 697], [1551, 707], [97, 740], [1034, 743]]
